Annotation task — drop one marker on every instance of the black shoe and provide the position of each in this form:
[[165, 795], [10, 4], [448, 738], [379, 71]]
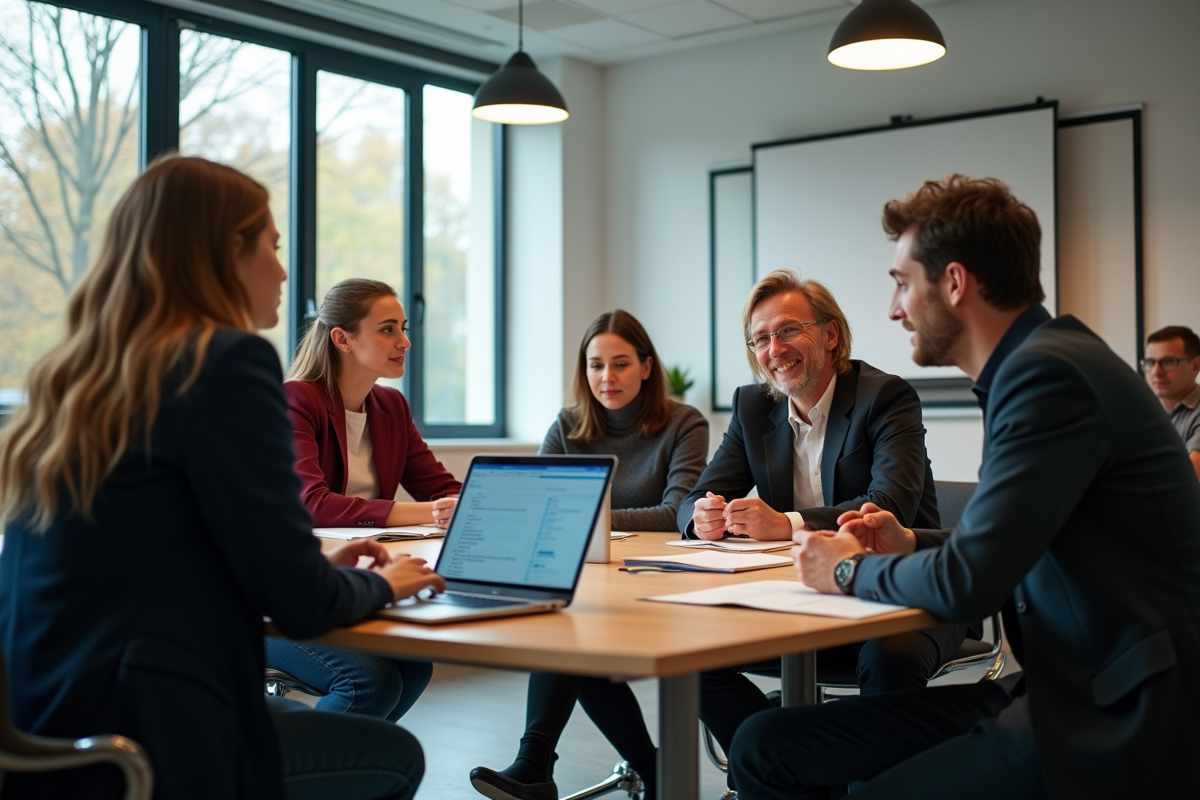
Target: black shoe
[[490, 783]]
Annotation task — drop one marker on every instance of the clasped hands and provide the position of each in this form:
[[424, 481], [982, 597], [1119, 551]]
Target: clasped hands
[[816, 553], [406, 574]]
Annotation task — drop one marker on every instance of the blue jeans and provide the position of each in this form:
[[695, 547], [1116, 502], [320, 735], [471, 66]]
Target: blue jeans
[[352, 682], [344, 756]]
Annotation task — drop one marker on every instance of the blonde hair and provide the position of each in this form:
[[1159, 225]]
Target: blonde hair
[[165, 278], [824, 306], [586, 411], [345, 306]]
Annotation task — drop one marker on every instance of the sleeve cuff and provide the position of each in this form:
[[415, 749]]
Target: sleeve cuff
[[796, 518]]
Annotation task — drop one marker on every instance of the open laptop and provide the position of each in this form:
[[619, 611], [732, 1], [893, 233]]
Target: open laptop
[[517, 541]]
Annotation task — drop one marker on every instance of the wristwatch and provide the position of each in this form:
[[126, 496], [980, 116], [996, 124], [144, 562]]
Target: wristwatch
[[843, 573]]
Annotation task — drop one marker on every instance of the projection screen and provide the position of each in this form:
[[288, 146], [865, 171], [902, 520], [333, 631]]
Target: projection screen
[[818, 202]]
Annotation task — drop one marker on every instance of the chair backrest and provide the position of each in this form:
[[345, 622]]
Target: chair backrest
[[952, 498]]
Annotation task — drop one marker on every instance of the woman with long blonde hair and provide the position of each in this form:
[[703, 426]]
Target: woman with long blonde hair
[[152, 519]]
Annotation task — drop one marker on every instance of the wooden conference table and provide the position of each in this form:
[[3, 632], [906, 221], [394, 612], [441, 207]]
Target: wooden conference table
[[607, 632]]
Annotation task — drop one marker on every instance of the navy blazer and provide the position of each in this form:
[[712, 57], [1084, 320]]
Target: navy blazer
[[874, 451], [1088, 514], [147, 620]]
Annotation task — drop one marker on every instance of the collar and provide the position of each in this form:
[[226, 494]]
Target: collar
[[1192, 399], [820, 410], [1033, 317], [621, 422]]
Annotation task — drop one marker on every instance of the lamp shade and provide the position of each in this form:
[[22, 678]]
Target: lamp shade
[[886, 34], [517, 94]]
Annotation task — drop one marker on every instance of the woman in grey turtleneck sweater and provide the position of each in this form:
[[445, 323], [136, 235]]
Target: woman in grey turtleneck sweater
[[619, 407]]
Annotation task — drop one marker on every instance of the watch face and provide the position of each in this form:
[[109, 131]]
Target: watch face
[[843, 572]]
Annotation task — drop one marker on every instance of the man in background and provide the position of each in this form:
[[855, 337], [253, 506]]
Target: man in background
[[1171, 365]]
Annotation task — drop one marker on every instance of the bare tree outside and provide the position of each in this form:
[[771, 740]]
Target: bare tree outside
[[68, 145]]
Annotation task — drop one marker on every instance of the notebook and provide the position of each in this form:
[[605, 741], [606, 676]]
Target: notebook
[[517, 541], [711, 561], [402, 533]]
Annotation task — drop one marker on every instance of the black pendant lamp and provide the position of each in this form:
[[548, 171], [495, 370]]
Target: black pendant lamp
[[886, 34], [517, 94]]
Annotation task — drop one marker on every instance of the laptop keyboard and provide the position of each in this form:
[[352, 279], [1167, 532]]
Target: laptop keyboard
[[475, 601]]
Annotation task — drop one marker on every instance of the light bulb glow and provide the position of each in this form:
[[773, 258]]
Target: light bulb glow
[[520, 114], [878, 54]]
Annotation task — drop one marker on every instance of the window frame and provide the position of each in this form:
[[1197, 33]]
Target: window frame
[[159, 133]]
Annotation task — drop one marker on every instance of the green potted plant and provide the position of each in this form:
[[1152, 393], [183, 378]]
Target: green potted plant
[[678, 382]]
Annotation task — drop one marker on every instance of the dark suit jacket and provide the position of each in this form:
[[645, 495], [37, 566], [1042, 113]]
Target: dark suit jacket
[[147, 620], [874, 451], [401, 456], [1088, 514]]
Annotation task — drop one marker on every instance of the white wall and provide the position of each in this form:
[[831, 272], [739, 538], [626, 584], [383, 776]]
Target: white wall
[[668, 120], [555, 247]]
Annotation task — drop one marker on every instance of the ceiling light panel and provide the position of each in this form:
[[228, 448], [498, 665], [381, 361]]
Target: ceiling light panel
[[765, 10], [616, 8], [687, 19], [606, 35], [546, 15]]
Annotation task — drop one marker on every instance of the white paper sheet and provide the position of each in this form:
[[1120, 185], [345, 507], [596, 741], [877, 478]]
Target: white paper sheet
[[398, 533], [617, 536], [712, 561], [789, 597], [732, 545]]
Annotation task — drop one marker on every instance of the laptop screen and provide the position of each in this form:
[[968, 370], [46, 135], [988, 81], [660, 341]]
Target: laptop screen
[[524, 524]]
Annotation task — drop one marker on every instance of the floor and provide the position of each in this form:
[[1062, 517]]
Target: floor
[[468, 717]]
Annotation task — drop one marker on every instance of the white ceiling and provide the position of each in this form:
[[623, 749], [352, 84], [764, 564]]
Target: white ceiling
[[597, 31]]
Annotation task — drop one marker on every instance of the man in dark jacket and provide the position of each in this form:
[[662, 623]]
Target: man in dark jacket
[[820, 435], [1085, 527]]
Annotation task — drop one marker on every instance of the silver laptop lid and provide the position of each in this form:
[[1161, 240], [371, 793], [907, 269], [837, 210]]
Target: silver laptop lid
[[522, 524]]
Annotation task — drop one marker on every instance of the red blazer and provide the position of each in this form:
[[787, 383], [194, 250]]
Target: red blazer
[[401, 455]]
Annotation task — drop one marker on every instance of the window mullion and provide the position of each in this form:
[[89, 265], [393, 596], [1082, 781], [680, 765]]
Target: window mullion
[[414, 238], [302, 297]]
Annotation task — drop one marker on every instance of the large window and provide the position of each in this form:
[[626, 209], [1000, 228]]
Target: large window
[[69, 132], [375, 170]]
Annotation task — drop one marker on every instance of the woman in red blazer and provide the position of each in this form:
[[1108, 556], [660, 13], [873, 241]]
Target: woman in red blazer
[[355, 444]]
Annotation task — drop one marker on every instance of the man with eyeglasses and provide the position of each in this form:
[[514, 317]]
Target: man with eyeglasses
[[1171, 365], [820, 435]]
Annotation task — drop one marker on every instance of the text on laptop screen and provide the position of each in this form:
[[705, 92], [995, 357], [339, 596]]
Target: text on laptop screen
[[523, 524]]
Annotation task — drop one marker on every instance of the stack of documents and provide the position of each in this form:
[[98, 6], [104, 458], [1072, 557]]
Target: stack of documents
[[790, 597], [402, 533], [732, 544], [709, 561]]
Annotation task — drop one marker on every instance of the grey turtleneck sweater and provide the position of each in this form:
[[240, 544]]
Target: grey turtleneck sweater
[[654, 473]]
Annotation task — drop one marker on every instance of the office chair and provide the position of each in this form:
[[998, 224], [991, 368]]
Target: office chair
[[952, 497], [279, 684], [21, 752]]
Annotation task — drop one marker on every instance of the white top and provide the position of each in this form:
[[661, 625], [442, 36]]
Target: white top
[[809, 443], [361, 480]]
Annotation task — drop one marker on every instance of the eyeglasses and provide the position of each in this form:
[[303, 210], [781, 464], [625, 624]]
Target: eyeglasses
[[1168, 364], [785, 334]]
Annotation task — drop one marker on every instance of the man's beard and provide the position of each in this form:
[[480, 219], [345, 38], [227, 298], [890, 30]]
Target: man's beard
[[937, 332], [810, 373]]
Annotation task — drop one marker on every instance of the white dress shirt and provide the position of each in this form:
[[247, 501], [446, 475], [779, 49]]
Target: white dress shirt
[[808, 444]]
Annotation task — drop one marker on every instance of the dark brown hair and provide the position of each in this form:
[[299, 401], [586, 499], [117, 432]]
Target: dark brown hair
[[586, 411], [346, 304], [1191, 342], [981, 225]]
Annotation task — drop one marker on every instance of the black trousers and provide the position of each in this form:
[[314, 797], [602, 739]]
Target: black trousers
[[904, 661], [948, 742]]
